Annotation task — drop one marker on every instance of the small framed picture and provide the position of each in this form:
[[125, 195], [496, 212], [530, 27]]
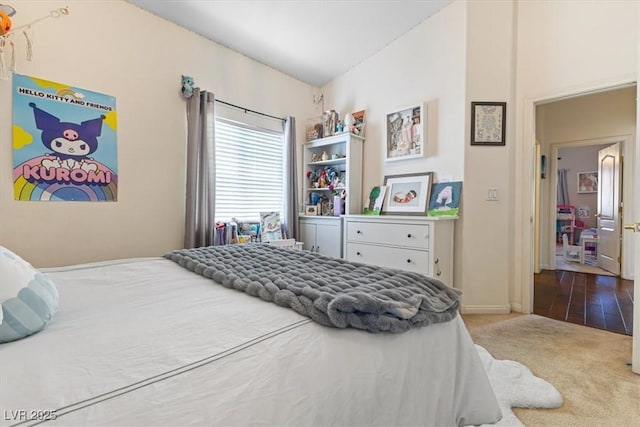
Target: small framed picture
[[312, 210], [588, 182], [407, 194], [270, 227], [445, 199], [405, 130], [359, 122], [488, 123], [314, 128], [373, 205]]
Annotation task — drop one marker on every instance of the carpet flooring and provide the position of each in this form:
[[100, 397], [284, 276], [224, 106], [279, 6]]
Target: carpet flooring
[[589, 367]]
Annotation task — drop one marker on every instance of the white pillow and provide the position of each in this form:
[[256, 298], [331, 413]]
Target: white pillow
[[28, 298]]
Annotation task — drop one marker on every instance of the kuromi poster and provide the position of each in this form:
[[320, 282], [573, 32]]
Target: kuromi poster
[[64, 142]]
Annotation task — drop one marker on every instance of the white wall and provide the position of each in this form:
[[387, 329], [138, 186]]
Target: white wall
[[563, 48], [116, 48], [487, 232], [425, 65], [445, 62]]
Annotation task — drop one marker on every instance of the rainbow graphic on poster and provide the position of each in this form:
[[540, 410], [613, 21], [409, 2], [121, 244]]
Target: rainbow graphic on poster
[[64, 142]]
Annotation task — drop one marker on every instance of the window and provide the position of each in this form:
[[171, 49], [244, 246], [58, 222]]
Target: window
[[249, 171]]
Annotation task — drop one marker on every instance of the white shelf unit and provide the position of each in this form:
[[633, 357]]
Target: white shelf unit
[[347, 148], [566, 222], [414, 243]]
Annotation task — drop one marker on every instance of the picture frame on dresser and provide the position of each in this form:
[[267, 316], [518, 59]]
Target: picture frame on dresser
[[407, 194], [445, 199]]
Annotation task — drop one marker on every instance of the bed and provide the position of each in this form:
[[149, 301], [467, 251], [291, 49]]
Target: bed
[[141, 342]]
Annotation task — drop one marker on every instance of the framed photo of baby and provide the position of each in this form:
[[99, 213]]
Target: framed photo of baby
[[405, 133], [407, 194]]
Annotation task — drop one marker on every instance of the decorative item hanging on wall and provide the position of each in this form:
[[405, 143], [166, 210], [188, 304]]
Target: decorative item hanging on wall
[[7, 33], [6, 12], [77, 131], [187, 86]]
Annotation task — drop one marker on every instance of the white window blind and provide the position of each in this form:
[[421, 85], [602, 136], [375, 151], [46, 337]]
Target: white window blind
[[249, 171]]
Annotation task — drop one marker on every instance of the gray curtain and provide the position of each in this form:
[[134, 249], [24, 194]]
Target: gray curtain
[[563, 188], [200, 198], [291, 179]]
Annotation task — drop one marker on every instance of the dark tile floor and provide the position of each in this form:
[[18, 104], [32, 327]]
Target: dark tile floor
[[603, 302]]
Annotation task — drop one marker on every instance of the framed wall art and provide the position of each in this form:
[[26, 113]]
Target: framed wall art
[[405, 133], [270, 227], [358, 123], [64, 142], [407, 194], [373, 205], [588, 182], [488, 123], [445, 199]]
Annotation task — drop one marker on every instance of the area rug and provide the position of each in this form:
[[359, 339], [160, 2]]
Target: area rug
[[590, 267], [515, 386], [589, 367]]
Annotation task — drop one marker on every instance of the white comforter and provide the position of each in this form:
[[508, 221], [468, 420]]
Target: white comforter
[[145, 342]]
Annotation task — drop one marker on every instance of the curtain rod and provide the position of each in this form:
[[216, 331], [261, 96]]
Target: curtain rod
[[246, 110]]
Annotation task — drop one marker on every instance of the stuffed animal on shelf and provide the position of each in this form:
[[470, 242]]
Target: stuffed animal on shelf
[[6, 12], [187, 86]]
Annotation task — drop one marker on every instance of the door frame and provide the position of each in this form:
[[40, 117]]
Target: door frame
[[525, 199], [553, 192]]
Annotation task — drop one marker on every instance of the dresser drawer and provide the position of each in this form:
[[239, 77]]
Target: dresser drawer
[[408, 235], [404, 259]]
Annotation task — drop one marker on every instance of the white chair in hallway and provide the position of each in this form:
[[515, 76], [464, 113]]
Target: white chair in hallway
[[572, 252]]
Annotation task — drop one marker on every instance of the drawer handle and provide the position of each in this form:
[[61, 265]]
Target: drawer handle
[[358, 253], [409, 235], [358, 232], [409, 261]]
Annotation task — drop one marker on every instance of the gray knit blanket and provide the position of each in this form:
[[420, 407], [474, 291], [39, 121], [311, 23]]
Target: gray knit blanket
[[331, 291]]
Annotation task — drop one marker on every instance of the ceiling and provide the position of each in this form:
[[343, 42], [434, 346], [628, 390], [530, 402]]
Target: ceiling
[[311, 40]]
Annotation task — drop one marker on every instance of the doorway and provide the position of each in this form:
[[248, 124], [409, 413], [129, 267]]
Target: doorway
[[564, 128], [580, 122], [574, 176]]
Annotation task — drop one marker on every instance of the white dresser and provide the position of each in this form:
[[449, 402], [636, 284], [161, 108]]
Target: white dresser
[[415, 243]]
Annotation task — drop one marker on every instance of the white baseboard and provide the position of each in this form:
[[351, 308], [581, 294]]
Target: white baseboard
[[516, 307], [485, 309]]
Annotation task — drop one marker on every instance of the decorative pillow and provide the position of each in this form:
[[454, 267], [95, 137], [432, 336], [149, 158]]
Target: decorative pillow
[[28, 298]]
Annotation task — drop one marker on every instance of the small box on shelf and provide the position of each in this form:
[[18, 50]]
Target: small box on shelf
[[312, 210]]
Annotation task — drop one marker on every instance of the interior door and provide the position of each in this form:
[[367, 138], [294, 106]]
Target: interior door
[[609, 178]]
